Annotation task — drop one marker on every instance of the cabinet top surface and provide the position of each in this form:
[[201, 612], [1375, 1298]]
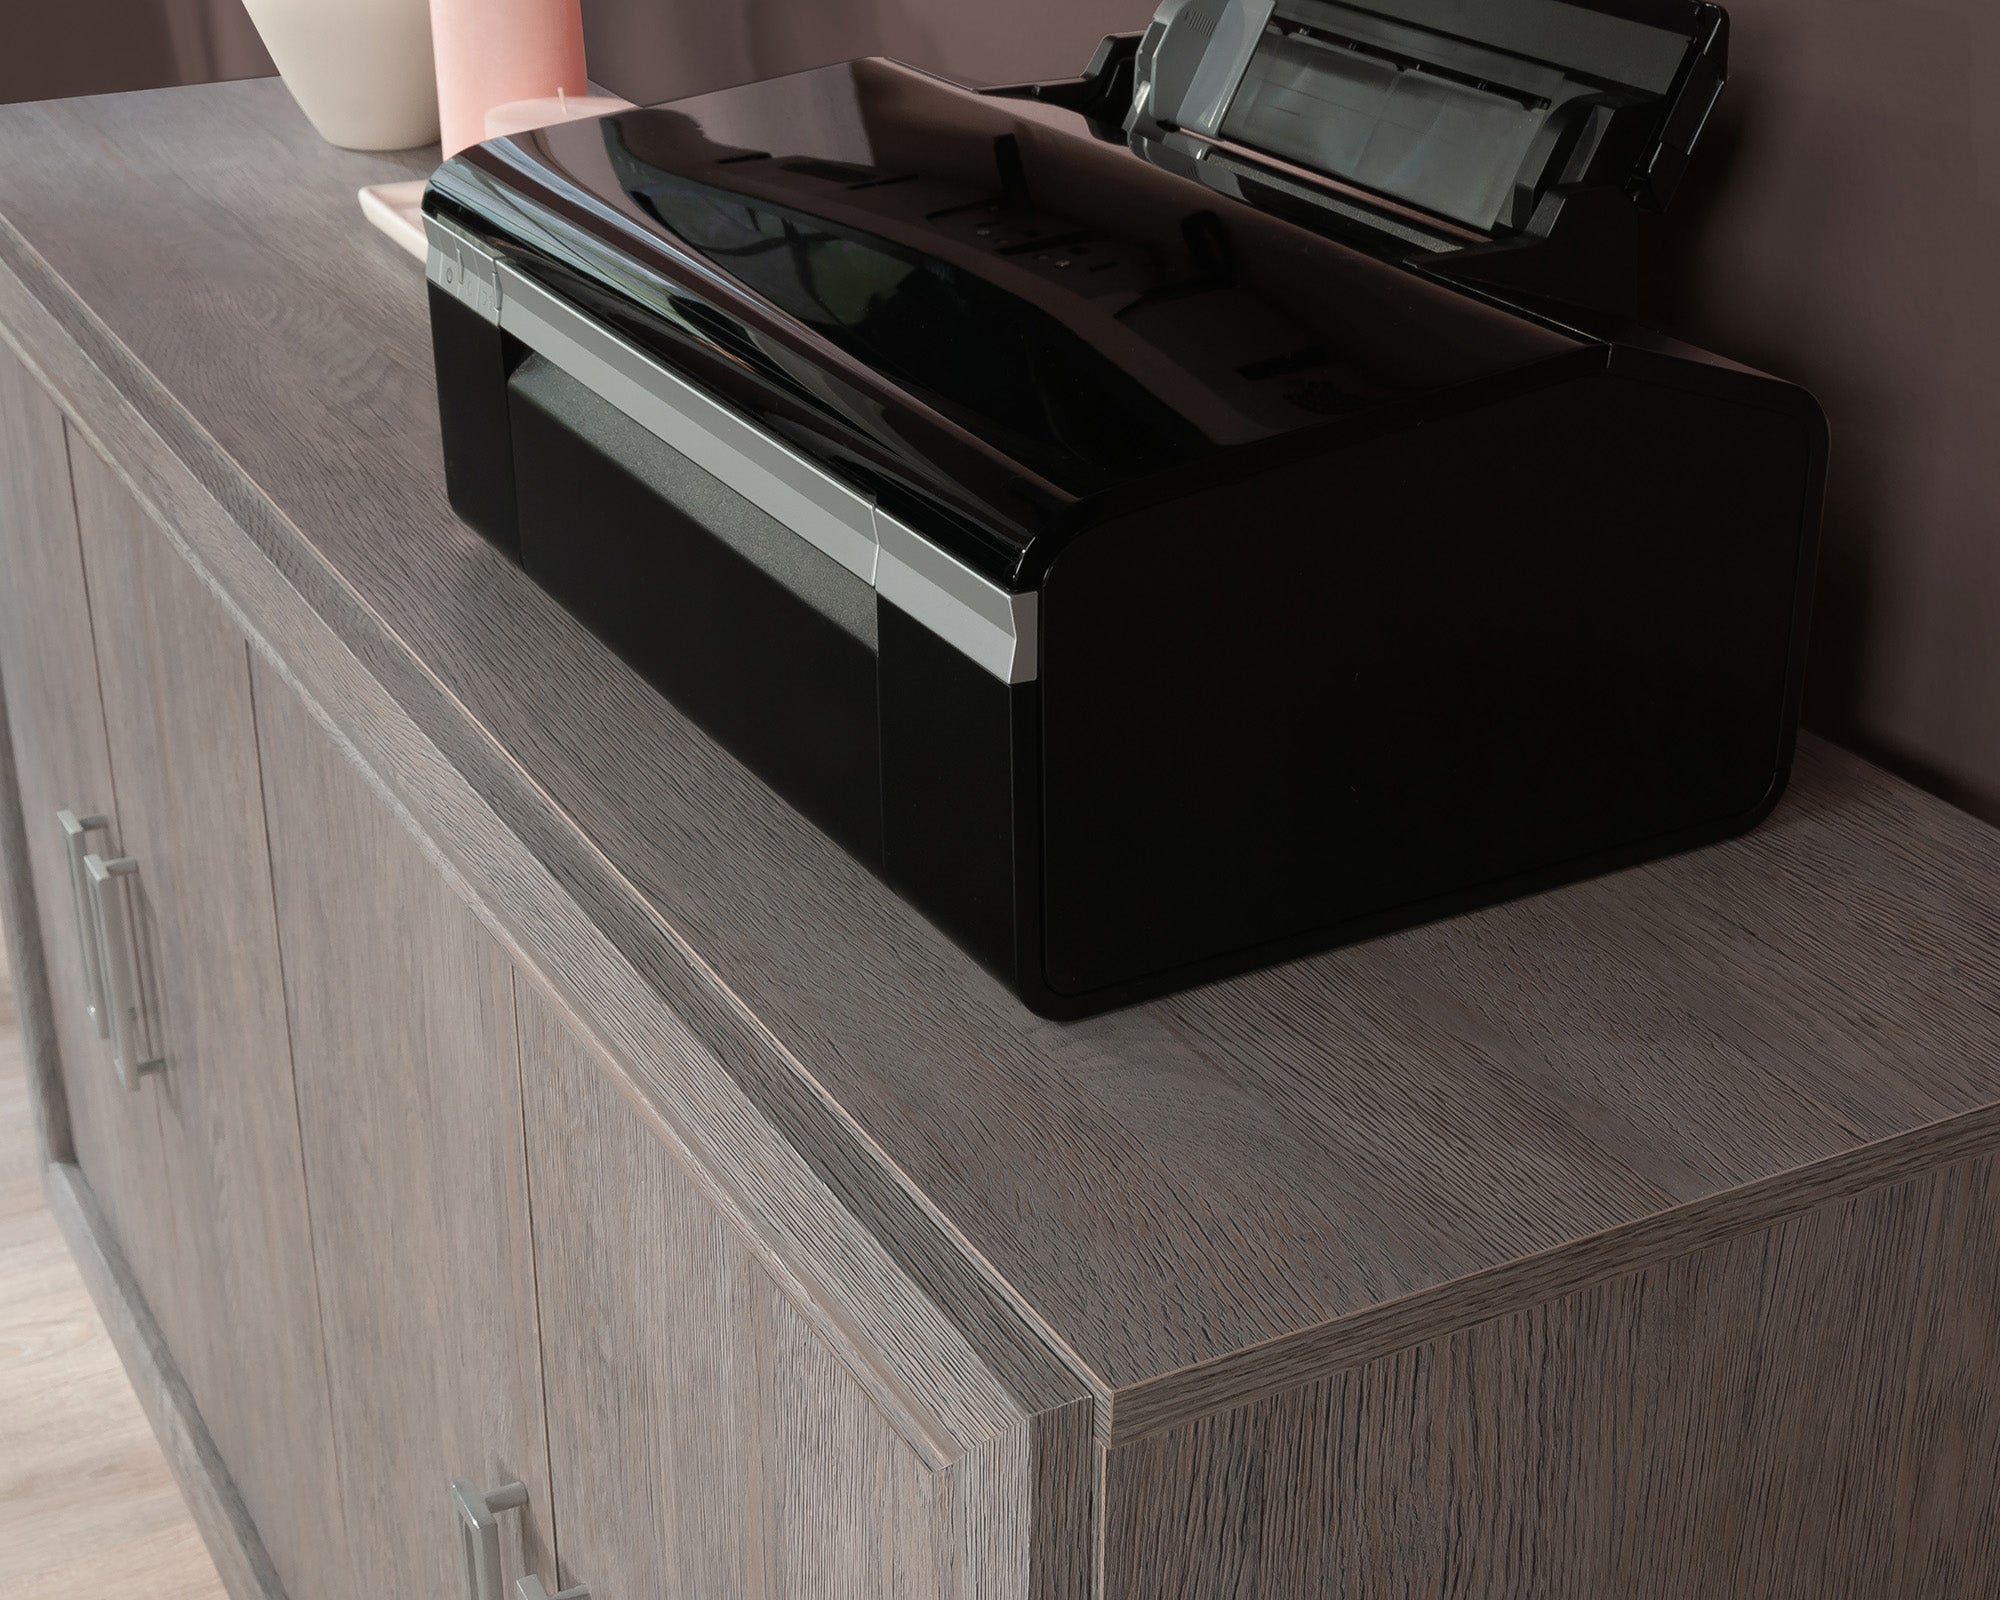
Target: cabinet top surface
[[1162, 1186]]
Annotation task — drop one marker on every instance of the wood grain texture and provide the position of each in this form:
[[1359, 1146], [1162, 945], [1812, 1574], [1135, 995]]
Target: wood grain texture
[[1347, 1341], [219, 1512], [844, 1233], [24, 978], [706, 1435], [239, 1304], [60, 759], [1148, 1193], [1804, 1411], [403, 1042]]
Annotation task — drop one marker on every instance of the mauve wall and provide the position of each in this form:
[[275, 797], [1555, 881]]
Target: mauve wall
[[658, 49], [52, 49], [1839, 229], [1843, 229]]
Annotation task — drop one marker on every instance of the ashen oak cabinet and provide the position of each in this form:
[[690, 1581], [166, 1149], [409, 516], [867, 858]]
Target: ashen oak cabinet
[[407, 1243], [707, 1437], [482, 1276], [409, 1091], [205, 1015], [566, 1168], [189, 1087], [57, 725]]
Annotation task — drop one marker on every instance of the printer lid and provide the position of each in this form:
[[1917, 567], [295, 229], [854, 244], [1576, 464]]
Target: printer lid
[[993, 317], [1471, 110]]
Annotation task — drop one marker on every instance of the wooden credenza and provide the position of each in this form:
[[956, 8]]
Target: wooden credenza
[[392, 1217], [478, 1105]]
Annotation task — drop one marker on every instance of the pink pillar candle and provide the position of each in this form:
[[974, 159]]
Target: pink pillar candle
[[519, 116], [490, 52]]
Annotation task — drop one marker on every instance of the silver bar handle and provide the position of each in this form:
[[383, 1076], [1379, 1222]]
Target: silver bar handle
[[530, 1588], [76, 845], [479, 1534], [115, 961], [478, 1518]]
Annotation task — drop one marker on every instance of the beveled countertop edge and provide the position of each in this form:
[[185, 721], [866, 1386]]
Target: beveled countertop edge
[[1251, 1374]]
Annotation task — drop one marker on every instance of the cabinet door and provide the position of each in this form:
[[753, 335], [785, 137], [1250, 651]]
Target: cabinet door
[[402, 1014], [705, 1438], [50, 675], [240, 1311]]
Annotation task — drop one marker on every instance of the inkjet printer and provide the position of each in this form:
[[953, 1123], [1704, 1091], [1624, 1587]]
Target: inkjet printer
[[1168, 520]]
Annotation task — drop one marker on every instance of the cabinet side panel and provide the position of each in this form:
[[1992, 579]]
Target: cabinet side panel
[[402, 1017], [1805, 1411], [704, 1436], [239, 1308]]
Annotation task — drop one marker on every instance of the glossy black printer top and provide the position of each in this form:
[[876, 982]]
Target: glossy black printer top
[[993, 314], [1172, 518]]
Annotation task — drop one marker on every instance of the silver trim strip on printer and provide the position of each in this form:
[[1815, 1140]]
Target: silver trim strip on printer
[[992, 626], [818, 507]]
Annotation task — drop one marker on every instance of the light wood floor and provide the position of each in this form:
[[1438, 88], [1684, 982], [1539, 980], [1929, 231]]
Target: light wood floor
[[88, 1510]]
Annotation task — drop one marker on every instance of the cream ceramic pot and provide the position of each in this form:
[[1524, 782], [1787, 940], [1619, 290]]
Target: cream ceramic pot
[[359, 69]]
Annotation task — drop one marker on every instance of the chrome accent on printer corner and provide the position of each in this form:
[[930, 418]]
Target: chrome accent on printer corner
[[991, 626], [462, 267], [996, 628]]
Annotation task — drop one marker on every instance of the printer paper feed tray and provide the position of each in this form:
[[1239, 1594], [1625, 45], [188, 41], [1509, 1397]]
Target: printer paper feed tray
[[1470, 109]]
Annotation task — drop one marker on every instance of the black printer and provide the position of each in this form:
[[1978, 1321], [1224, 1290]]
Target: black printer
[[1171, 519]]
